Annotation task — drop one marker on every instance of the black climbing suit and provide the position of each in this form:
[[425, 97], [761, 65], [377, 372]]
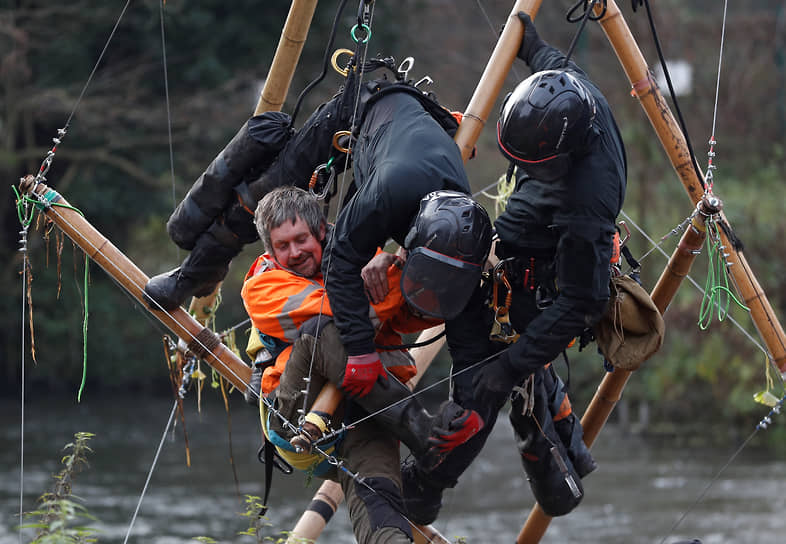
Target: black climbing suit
[[565, 227], [400, 156]]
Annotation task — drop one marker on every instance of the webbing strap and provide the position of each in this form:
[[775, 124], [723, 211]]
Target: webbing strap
[[269, 452], [204, 343]]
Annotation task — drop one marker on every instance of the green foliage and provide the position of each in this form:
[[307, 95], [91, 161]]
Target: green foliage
[[59, 510]]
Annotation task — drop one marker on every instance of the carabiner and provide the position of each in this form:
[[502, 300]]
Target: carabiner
[[334, 61], [314, 189], [403, 69], [624, 240], [337, 145]]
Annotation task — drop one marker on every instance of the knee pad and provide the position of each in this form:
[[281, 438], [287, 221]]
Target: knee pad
[[384, 504]]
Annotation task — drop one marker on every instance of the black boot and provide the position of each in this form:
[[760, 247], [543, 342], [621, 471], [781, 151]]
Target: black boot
[[429, 437], [199, 273], [422, 496], [568, 427], [249, 152], [553, 479], [310, 147]]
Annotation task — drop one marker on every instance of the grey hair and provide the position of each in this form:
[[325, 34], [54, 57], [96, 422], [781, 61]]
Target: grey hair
[[287, 204]]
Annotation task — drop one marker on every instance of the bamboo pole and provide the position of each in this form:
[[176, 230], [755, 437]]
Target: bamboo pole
[[676, 148], [610, 389], [290, 45], [133, 280], [272, 97]]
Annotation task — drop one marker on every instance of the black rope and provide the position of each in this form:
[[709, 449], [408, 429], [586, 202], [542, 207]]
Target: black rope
[[589, 8], [414, 344], [671, 92], [325, 61], [727, 230]]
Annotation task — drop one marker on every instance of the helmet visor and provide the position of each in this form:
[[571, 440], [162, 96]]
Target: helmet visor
[[549, 169], [437, 285]]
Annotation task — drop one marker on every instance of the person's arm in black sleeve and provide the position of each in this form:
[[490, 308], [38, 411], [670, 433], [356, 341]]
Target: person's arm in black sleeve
[[538, 54], [353, 243]]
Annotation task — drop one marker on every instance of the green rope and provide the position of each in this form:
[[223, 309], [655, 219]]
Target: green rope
[[48, 200], [717, 292], [41, 204], [505, 188]]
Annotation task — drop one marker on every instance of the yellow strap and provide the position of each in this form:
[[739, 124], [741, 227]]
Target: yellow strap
[[316, 419]]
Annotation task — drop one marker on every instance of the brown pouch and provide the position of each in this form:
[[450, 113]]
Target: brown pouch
[[632, 328]]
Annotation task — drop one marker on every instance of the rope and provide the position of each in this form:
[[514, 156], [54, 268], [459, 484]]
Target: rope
[[412, 395], [673, 95], [495, 33], [589, 6], [25, 272], [717, 281], [364, 18], [84, 332], [47, 162], [168, 113], [325, 62], [150, 472], [699, 288], [763, 424], [712, 142]]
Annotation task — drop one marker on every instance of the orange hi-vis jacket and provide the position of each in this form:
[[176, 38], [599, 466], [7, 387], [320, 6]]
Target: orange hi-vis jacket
[[280, 302]]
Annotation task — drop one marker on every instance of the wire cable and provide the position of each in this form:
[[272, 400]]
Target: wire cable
[[25, 271], [168, 113], [699, 288], [150, 472]]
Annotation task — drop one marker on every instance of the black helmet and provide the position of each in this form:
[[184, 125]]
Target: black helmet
[[447, 245], [544, 120]]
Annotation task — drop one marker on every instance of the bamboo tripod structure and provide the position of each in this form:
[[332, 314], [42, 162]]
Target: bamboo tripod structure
[[674, 143]]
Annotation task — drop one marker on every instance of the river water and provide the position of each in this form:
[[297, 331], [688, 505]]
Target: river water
[[639, 492]]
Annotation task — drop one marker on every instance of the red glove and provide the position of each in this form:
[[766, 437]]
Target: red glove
[[362, 373]]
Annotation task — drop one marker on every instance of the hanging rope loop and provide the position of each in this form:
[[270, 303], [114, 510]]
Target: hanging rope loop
[[588, 11], [589, 14]]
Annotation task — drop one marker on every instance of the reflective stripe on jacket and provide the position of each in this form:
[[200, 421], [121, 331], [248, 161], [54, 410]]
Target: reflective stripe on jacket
[[280, 302]]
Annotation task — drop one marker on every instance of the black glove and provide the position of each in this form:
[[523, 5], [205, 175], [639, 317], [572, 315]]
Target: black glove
[[494, 380], [531, 41]]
